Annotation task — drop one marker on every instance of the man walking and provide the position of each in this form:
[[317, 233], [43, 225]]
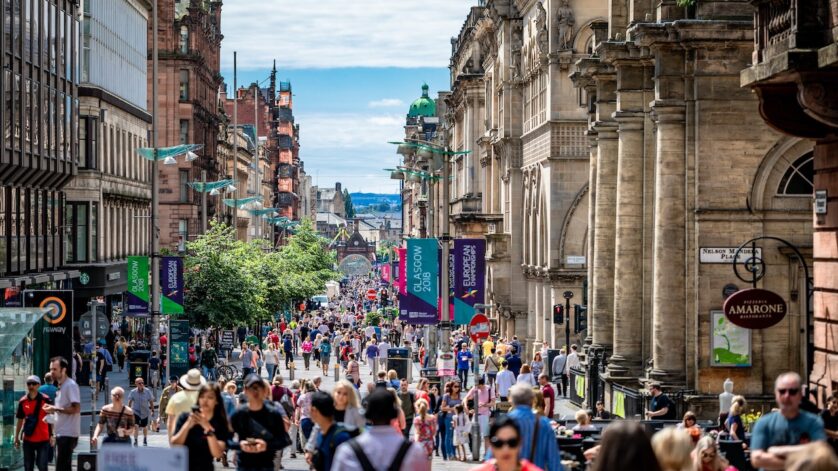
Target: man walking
[[778, 434], [482, 396], [572, 360], [141, 401], [37, 434], [329, 436], [537, 439], [559, 375], [381, 443], [505, 381], [261, 428], [549, 395], [246, 357], [383, 346], [660, 407], [67, 406], [209, 358], [464, 357], [408, 400]]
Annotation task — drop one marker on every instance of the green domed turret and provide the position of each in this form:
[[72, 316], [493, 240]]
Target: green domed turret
[[423, 106]]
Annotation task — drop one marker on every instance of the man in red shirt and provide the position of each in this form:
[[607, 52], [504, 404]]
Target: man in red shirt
[[549, 395], [37, 437]]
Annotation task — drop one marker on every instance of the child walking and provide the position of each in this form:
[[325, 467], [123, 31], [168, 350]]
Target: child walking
[[462, 427]]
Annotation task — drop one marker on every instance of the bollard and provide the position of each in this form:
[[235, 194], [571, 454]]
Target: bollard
[[337, 371], [475, 438], [291, 371]]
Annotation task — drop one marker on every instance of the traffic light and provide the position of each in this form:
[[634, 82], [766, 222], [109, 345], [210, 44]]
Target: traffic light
[[558, 314], [581, 321]]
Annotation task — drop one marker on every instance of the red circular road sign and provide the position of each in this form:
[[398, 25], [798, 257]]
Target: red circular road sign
[[479, 327], [755, 308], [372, 294]]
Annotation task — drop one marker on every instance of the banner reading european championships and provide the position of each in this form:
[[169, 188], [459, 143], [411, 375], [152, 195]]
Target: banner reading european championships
[[171, 280], [138, 293], [469, 276], [418, 305]]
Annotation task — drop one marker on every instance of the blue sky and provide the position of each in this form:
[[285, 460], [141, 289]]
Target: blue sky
[[354, 71]]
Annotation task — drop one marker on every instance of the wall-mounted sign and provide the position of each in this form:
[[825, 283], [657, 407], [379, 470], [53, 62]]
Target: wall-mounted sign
[[728, 290], [575, 260], [84, 278], [820, 201], [730, 345], [725, 254], [755, 308]]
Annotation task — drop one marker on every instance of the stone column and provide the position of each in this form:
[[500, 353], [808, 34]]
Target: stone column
[[602, 309], [532, 315], [589, 259], [669, 298], [628, 284]]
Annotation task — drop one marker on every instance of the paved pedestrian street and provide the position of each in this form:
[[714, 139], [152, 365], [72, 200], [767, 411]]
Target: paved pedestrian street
[[159, 439]]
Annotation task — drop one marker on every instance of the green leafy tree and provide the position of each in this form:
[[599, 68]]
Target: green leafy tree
[[348, 207]]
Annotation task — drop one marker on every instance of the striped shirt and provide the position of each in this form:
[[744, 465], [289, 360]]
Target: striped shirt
[[546, 448]]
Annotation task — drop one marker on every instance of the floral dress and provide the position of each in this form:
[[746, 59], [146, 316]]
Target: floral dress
[[425, 431]]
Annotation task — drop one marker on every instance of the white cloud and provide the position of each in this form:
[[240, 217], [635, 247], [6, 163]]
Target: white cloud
[[338, 33], [350, 148], [386, 103]]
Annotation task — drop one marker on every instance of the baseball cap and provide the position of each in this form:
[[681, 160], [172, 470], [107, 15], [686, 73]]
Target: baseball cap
[[33, 379], [252, 379]]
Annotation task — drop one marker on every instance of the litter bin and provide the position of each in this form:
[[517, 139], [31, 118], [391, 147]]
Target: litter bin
[[138, 366], [399, 359]]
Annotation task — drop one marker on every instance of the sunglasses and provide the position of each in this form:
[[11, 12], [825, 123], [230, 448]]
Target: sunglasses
[[116, 395], [32, 384], [498, 443], [790, 391]]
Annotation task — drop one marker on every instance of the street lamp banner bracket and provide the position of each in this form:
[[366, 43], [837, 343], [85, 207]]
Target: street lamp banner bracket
[[163, 153]]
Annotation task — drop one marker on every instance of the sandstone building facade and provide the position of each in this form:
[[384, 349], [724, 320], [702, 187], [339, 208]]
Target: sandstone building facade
[[189, 79], [683, 169]]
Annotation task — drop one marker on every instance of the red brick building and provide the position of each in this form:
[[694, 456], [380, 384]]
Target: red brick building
[[189, 42], [272, 110]]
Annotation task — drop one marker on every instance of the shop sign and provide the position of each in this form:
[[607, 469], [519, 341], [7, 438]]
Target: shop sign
[[730, 344], [126, 457], [52, 335], [445, 364], [84, 278], [755, 308], [228, 340]]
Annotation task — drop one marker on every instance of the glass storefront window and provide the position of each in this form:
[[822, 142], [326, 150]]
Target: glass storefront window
[[94, 232]]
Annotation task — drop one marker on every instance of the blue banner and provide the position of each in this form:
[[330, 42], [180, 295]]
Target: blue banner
[[418, 305], [469, 278]]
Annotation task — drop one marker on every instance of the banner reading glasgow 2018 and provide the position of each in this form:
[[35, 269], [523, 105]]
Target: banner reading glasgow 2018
[[171, 280], [418, 305], [137, 299], [469, 275]]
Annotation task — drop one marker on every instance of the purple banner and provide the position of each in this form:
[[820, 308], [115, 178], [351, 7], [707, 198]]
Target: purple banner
[[171, 282], [469, 278]]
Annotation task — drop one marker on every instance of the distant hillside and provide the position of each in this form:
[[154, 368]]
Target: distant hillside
[[366, 199]]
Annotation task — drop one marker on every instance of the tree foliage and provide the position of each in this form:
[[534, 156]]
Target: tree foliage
[[348, 207], [229, 282]]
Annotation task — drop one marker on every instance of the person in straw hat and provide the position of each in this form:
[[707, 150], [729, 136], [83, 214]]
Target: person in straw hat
[[184, 399]]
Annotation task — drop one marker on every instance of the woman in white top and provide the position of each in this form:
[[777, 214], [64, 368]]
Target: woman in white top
[[526, 376], [271, 361]]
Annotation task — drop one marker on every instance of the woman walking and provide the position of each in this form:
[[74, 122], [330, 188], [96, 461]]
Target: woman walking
[[204, 432], [116, 418], [307, 346], [119, 351], [537, 366], [271, 361], [450, 401]]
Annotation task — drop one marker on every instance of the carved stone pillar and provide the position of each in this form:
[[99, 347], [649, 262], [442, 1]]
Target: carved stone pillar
[[602, 309], [628, 284], [669, 273], [592, 139]]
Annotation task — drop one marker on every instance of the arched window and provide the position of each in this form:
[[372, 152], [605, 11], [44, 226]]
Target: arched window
[[798, 179], [184, 40]]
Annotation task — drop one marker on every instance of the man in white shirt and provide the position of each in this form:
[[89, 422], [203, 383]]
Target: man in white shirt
[[382, 352], [572, 360], [381, 444], [67, 409], [504, 381]]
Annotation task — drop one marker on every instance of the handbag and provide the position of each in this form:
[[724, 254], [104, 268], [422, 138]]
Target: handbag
[[115, 438], [30, 424], [261, 432]]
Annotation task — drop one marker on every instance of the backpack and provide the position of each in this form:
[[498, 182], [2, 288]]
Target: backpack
[[365, 462], [325, 347], [208, 358], [192, 357], [317, 459]]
